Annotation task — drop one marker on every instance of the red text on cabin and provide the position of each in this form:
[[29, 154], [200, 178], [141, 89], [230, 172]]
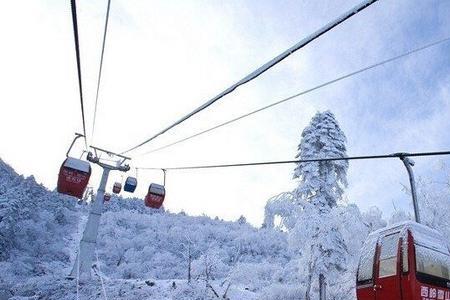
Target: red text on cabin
[[155, 196]]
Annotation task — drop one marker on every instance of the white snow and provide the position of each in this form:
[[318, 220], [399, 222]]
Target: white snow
[[157, 189], [423, 235], [77, 164], [131, 181]]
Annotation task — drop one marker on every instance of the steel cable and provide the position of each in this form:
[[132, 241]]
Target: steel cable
[[77, 51], [263, 68], [351, 74], [280, 162], [100, 69]]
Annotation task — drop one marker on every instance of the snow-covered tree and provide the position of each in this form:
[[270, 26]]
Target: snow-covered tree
[[322, 185], [242, 220], [373, 218], [434, 202], [281, 206]]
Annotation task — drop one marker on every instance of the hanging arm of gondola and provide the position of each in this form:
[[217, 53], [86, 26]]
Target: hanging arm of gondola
[[77, 136]]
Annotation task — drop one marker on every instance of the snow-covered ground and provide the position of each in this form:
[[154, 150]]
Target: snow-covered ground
[[50, 287]]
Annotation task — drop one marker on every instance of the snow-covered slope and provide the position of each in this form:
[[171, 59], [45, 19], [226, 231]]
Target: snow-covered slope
[[36, 229], [142, 252]]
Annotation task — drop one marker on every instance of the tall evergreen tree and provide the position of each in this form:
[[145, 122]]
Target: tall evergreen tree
[[322, 183], [321, 186]]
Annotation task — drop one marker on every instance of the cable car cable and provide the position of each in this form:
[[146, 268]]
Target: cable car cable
[[100, 69], [77, 52], [363, 157], [264, 68], [322, 85]]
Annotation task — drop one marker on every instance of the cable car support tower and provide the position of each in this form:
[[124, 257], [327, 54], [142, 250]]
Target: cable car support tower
[[85, 255], [409, 163]]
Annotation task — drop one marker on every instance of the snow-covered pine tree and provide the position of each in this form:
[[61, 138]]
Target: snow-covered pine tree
[[242, 220], [321, 184]]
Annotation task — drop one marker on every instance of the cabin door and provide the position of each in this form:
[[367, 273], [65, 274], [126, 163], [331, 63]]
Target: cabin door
[[387, 280]]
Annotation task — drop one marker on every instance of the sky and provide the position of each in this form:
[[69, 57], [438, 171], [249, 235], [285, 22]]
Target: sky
[[164, 58]]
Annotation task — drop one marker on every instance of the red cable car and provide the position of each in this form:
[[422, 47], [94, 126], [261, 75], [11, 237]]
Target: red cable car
[[117, 187], [73, 177], [407, 261], [155, 196], [106, 197]]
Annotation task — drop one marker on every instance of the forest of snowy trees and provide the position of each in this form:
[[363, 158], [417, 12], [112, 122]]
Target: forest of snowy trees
[[310, 238]]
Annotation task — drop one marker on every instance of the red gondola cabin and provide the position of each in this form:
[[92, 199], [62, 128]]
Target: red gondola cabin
[[117, 187], [407, 261], [73, 177], [155, 196]]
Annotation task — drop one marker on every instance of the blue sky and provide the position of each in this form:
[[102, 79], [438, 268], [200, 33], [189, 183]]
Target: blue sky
[[164, 58]]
